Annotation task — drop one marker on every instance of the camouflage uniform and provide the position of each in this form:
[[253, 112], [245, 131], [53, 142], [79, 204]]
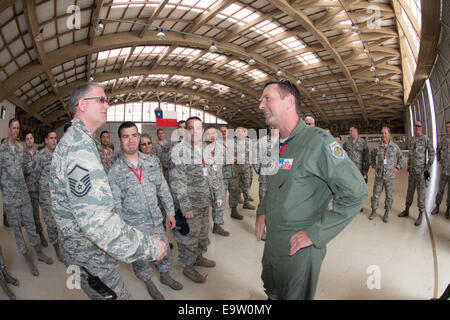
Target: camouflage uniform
[[245, 173], [384, 159], [43, 164], [443, 156], [215, 171], [31, 174], [358, 152], [418, 162], [16, 198], [137, 203], [162, 151], [230, 181], [262, 167], [91, 234], [107, 157], [190, 190]]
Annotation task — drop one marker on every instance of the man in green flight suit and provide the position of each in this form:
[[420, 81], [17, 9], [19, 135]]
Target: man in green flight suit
[[312, 167]]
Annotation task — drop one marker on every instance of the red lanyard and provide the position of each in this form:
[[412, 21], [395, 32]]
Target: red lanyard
[[137, 176], [385, 152], [104, 154]]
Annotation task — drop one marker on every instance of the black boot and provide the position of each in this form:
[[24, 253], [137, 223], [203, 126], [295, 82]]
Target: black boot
[[44, 242], [5, 221], [8, 277], [404, 213], [436, 210], [447, 214], [248, 206], [58, 252], [219, 230], [419, 219], [386, 216], [41, 256], [235, 214], [5, 288], [153, 290], [166, 279], [33, 269], [373, 214]]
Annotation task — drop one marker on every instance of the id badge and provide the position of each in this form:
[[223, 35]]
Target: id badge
[[385, 161], [205, 171], [214, 167]]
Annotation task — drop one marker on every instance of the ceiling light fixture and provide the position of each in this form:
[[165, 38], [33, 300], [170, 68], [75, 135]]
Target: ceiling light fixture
[[299, 81], [91, 77], [377, 79], [251, 61], [195, 87], [99, 27], [163, 83], [213, 48], [161, 35], [313, 89], [242, 96], [355, 29], [372, 67], [39, 37], [279, 73]]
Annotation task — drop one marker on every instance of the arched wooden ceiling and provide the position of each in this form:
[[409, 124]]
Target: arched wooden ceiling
[[307, 40]]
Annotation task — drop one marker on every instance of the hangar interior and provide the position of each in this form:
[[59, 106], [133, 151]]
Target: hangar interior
[[363, 63]]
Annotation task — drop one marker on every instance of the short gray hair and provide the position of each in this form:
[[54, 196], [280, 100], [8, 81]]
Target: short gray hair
[[309, 117], [79, 93]]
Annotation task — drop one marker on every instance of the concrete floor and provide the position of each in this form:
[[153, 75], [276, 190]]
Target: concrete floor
[[399, 254]]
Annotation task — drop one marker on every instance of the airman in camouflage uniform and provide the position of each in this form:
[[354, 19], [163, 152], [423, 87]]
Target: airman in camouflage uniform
[[16, 198], [137, 182], [244, 169], [192, 196], [386, 159], [6, 278], [229, 174], [161, 149], [358, 151], [106, 153], [213, 155], [43, 165], [420, 159], [31, 174], [91, 234], [443, 156]]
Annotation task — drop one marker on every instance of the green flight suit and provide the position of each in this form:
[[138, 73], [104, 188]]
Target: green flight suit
[[312, 167]]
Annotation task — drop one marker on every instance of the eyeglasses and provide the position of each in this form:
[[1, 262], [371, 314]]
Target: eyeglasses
[[417, 126], [102, 100], [146, 143]]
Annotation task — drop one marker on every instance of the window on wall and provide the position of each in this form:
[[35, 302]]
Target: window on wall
[[145, 112]]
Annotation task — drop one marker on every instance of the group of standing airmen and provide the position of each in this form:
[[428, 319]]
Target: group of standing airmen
[[102, 207]]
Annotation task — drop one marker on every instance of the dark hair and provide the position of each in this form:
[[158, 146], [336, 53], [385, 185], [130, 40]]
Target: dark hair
[[124, 125], [159, 129], [104, 131], [286, 87], [193, 118], [354, 127], [49, 131], [180, 122], [27, 133], [389, 129], [209, 127], [67, 126], [11, 121], [338, 136]]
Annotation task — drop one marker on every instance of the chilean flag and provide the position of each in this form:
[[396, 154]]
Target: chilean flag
[[166, 118]]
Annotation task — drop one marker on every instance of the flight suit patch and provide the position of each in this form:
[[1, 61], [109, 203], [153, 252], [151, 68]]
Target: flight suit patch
[[79, 181], [336, 150], [285, 164]]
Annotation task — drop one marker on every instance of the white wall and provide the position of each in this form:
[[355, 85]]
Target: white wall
[[10, 113]]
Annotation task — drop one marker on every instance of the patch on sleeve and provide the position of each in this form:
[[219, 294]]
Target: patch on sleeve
[[79, 181], [336, 150]]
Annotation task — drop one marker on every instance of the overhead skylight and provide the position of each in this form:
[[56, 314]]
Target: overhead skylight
[[213, 57], [220, 87], [113, 53], [291, 44], [149, 50], [256, 74], [157, 76], [237, 14], [202, 81], [267, 28], [124, 3], [185, 52], [182, 78], [236, 65], [307, 58]]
